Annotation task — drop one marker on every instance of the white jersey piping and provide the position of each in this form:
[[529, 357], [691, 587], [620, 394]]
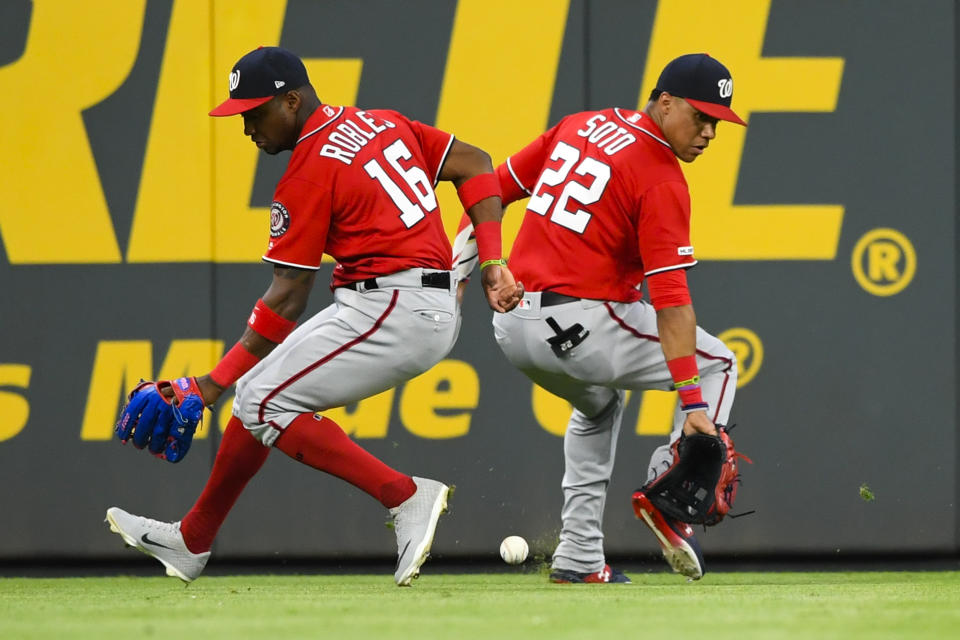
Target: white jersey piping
[[332, 118], [443, 159], [616, 110], [685, 265], [515, 178], [288, 264]]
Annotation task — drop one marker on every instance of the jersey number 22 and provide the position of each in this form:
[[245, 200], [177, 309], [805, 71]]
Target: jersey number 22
[[542, 202]]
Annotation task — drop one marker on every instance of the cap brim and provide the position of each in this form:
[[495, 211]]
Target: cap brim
[[233, 106], [717, 111]]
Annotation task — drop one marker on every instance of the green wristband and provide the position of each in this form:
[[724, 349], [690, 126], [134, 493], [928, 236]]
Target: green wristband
[[685, 383], [487, 263]]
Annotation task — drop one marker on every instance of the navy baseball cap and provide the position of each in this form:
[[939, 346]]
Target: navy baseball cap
[[703, 82], [260, 75]]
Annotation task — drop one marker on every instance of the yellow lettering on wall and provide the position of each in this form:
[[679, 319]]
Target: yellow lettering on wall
[[190, 357], [656, 413], [889, 258], [179, 190], [498, 84], [225, 412], [369, 418], [14, 407], [720, 229], [208, 190], [748, 348], [173, 218], [337, 81], [451, 387], [54, 208], [883, 258], [551, 412], [119, 366], [241, 232]]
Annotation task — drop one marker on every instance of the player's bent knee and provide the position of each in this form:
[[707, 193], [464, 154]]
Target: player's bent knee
[[266, 434], [731, 361], [721, 360], [244, 409], [264, 425], [248, 410]]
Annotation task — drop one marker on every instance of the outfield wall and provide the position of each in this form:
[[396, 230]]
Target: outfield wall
[[132, 226]]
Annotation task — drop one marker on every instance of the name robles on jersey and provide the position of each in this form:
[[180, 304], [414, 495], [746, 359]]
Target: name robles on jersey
[[349, 137], [317, 210]]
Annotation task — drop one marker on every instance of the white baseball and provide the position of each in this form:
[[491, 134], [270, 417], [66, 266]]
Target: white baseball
[[514, 549]]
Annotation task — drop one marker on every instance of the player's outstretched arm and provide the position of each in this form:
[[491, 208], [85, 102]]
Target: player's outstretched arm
[[471, 172], [164, 415], [678, 339], [272, 319]]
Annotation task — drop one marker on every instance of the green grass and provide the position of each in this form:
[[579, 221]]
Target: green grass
[[489, 606]]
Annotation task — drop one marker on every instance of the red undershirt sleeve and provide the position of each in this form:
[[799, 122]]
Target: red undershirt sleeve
[[669, 289]]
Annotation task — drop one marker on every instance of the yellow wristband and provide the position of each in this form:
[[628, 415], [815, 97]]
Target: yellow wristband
[[695, 380], [487, 263]]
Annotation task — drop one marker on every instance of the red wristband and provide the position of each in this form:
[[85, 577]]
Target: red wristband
[[269, 324], [488, 241], [684, 371], [233, 365], [691, 396], [477, 188]]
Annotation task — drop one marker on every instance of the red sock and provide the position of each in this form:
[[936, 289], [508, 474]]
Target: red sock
[[322, 444], [238, 459]]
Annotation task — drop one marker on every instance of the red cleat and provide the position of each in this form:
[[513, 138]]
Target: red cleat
[[605, 575], [680, 548]]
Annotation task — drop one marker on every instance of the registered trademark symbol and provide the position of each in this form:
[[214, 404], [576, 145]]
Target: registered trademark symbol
[[884, 262], [748, 348]]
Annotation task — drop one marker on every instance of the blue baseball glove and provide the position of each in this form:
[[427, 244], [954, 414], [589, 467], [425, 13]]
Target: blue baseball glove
[[165, 427]]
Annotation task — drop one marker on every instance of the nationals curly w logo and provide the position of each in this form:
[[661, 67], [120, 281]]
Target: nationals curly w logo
[[726, 88]]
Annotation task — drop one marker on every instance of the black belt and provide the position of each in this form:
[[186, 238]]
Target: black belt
[[552, 298], [434, 280]]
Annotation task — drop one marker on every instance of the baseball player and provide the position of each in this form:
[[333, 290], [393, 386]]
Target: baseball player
[[359, 186], [608, 209]]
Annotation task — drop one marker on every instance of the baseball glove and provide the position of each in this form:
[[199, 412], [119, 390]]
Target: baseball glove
[[701, 484], [162, 426]]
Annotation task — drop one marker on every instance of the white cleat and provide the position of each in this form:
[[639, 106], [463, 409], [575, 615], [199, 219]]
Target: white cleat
[[162, 540], [415, 522]]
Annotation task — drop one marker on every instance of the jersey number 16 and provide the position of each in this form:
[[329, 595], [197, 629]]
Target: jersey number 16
[[410, 212]]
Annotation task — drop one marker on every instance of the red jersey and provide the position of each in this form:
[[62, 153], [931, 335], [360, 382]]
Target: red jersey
[[608, 206], [359, 187]]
